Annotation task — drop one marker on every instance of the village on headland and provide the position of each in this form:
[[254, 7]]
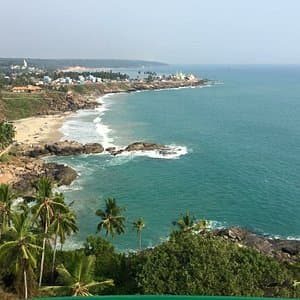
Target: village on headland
[[26, 78]]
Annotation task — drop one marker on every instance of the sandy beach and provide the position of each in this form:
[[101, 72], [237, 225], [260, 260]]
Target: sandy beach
[[42, 129]]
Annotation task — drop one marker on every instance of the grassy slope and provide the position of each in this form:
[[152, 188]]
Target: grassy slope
[[16, 106]]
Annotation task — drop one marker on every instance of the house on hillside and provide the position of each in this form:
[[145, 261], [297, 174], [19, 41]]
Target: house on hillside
[[26, 89]]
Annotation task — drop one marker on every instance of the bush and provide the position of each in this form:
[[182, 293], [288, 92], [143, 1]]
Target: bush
[[7, 134], [204, 265]]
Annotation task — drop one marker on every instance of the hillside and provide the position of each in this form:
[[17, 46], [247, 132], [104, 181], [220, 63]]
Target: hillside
[[15, 106]]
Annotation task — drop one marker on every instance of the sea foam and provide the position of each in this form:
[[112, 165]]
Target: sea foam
[[172, 152]]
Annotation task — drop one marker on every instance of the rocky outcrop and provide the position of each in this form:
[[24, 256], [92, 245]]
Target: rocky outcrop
[[26, 172], [61, 174], [92, 148], [63, 102], [63, 148], [140, 146], [280, 249]]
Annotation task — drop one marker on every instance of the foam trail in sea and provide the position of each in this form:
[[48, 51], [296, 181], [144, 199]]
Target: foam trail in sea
[[171, 152], [86, 126]]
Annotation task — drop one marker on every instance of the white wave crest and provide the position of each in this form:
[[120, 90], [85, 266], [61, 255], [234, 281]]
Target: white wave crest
[[118, 160], [103, 131], [171, 152]]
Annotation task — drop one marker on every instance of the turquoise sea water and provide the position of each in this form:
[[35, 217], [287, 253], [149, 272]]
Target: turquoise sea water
[[242, 165]]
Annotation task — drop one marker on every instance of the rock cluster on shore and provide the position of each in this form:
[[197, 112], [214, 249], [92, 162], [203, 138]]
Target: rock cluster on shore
[[280, 249], [68, 148], [63, 148], [27, 166], [138, 146], [58, 173]]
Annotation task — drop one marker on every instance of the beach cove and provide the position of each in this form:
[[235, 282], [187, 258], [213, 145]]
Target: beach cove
[[231, 172]]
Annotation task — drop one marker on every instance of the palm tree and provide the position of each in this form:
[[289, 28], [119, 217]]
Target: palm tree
[[77, 278], [111, 219], [186, 222], [21, 249], [47, 204], [6, 199], [139, 225], [64, 224], [202, 225]]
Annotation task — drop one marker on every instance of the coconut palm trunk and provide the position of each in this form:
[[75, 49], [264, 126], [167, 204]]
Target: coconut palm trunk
[[139, 225], [43, 255], [140, 240], [25, 285], [54, 257]]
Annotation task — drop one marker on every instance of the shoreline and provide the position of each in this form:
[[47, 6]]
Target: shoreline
[[40, 129], [30, 132], [46, 128]]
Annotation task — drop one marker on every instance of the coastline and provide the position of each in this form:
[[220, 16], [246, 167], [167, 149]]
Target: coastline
[[30, 128], [40, 129], [45, 128]]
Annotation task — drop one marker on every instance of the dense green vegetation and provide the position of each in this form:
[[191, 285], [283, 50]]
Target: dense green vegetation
[[83, 89], [33, 262], [205, 265], [7, 134]]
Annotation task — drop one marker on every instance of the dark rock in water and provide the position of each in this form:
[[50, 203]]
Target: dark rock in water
[[114, 151], [65, 148], [61, 174], [141, 146], [93, 148], [117, 152], [280, 249], [110, 150]]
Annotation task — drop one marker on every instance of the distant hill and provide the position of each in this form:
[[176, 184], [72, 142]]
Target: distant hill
[[88, 63]]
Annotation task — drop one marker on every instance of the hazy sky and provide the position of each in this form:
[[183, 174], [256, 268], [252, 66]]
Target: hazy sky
[[173, 31]]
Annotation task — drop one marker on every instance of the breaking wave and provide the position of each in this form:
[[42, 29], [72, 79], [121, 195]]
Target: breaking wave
[[171, 152]]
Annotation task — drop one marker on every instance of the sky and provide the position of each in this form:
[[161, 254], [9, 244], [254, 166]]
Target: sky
[[171, 31]]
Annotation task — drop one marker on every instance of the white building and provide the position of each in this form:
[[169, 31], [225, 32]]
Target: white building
[[47, 80]]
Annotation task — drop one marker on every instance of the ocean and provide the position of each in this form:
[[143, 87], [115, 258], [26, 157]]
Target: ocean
[[236, 157]]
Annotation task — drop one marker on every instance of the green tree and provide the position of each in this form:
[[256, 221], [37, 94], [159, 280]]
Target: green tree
[[20, 250], [64, 224], [193, 264], [7, 134], [77, 277], [47, 204], [6, 199], [186, 222], [112, 220], [138, 226]]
